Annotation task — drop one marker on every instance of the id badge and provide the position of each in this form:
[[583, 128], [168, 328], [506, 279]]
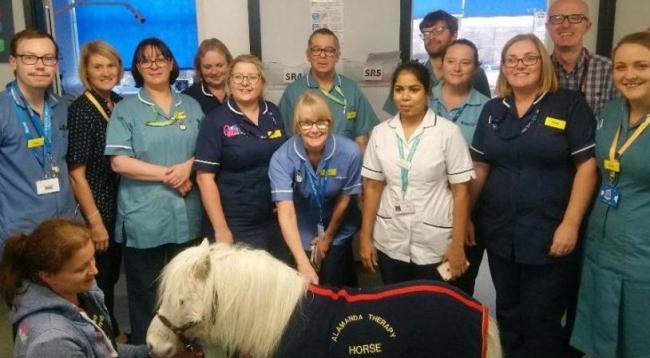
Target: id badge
[[609, 195], [404, 208], [47, 186]]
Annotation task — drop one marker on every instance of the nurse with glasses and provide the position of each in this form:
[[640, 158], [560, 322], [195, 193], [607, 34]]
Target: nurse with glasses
[[533, 151], [315, 177], [233, 151], [353, 115]]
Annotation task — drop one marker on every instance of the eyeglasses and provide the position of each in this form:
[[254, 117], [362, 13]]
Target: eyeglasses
[[239, 78], [28, 59], [526, 60], [320, 125], [328, 51], [433, 31], [160, 62], [573, 19]]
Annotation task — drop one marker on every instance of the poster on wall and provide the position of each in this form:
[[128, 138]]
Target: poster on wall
[[6, 29], [329, 14]]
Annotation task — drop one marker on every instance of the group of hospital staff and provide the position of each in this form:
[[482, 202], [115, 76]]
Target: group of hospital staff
[[548, 176]]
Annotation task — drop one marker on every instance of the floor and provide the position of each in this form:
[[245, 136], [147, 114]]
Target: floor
[[484, 293]]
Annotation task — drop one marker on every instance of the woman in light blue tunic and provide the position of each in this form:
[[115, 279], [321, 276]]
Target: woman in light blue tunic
[[152, 137], [614, 299]]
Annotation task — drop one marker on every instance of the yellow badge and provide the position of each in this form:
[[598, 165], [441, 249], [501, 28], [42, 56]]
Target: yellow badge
[[351, 115], [555, 123], [36, 142], [331, 172], [274, 134], [612, 165]]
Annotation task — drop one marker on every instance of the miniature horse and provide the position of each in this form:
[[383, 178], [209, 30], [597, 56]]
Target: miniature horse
[[246, 301]]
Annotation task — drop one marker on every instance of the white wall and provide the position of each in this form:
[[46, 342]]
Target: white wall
[[6, 74], [225, 20], [631, 16]]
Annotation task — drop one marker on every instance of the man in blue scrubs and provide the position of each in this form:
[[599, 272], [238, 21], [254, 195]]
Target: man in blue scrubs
[[437, 30], [353, 115], [34, 183]]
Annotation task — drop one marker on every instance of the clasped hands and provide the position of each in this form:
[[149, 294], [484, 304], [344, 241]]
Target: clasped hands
[[177, 176]]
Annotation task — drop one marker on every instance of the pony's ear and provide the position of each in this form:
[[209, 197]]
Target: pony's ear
[[204, 243], [202, 266]]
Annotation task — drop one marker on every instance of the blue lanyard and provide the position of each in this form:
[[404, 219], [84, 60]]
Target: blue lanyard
[[42, 130], [403, 171], [318, 186]]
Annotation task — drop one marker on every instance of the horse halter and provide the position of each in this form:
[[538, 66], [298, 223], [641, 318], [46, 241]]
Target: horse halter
[[189, 345]]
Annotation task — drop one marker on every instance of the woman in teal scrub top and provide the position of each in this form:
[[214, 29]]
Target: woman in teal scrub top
[[151, 139], [613, 308]]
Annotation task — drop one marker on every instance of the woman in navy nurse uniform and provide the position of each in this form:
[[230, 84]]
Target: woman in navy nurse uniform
[[534, 158], [233, 151]]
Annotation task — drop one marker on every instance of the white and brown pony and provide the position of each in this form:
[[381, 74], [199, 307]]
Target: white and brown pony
[[247, 302]]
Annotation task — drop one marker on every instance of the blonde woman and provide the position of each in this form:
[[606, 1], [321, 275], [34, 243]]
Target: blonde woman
[[315, 176], [233, 151], [93, 181]]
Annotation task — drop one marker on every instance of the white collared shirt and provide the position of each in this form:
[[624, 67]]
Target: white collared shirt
[[441, 158]]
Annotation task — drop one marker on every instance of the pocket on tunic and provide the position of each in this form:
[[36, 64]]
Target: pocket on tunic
[[432, 236]]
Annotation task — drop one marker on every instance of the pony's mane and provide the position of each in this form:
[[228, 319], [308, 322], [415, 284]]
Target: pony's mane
[[247, 298]]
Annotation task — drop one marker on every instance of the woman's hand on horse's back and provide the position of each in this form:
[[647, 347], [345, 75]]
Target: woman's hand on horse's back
[[308, 272]]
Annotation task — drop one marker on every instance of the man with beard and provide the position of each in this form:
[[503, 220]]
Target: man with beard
[[438, 29], [575, 67]]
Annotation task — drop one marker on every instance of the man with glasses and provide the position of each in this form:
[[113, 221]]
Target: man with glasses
[[353, 115], [437, 30], [575, 67], [34, 183]]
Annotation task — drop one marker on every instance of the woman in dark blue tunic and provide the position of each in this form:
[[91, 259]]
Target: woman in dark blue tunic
[[534, 158], [233, 152]]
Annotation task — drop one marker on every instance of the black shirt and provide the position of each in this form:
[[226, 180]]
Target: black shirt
[[87, 139], [203, 95]]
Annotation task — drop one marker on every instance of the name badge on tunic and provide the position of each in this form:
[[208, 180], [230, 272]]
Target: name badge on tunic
[[609, 195], [47, 186], [555, 123], [36, 142], [404, 207]]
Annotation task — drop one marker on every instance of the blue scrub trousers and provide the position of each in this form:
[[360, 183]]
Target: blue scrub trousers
[[531, 301]]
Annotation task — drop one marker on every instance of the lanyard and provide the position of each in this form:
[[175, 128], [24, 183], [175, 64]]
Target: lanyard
[[405, 171], [613, 164], [495, 123], [42, 130], [343, 102], [95, 103], [459, 111], [318, 186]]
